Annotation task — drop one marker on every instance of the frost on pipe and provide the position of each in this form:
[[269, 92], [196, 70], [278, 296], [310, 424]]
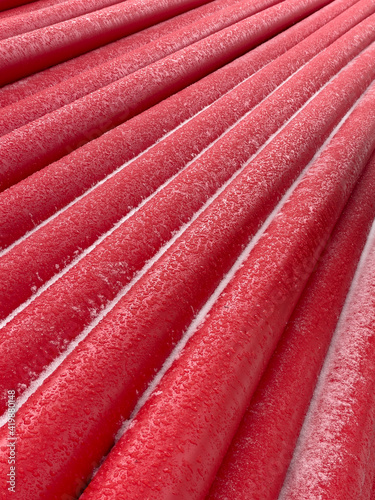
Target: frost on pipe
[[42, 141], [196, 408], [37, 82], [335, 454], [43, 255], [78, 296], [258, 458], [25, 267], [27, 110], [101, 379], [48, 190], [30, 52], [50, 15]]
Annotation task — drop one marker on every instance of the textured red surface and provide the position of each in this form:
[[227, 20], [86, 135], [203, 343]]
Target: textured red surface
[[34, 145], [50, 15], [30, 52], [8, 4], [36, 260], [183, 217], [47, 190], [257, 460], [37, 82], [109, 267], [104, 375], [335, 454], [236, 341], [56, 97], [98, 277]]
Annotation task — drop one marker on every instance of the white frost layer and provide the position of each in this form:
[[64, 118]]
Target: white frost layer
[[321, 446]]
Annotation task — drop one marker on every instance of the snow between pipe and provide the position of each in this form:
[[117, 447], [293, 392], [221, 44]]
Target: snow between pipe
[[47, 189], [88, 389], [31, 263], [193, 414]]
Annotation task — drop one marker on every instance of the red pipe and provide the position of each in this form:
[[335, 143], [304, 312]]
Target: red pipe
[[335, 454], [178, 439], [39, 196], [27, 110], [259, 456], [31, 263], [96, 279], [28, 53], [50, 15], [102, 378], [38, 143], [36, 83]]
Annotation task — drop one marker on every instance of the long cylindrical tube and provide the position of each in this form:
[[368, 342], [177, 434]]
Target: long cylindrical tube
[[42, 141], [258, 458], [95, 384], [47, 190], [196, 408], [335, 454]]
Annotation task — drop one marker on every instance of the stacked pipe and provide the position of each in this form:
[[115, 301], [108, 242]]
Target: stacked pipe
[[186, 249]]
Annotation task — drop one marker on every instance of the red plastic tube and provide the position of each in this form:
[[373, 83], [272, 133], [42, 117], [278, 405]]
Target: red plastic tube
[[50, 15], [35, 260], [27, 110], [334, 457], [178, 439], [46, 325], [259, 456], [101, 380], [36, 83], [31, 263], [28, 53], [38, 143], [48, 191]]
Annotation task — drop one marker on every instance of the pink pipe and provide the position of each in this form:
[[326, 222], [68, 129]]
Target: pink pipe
[[178, 439], [53, 14], [30, 52], [10, 4], [259, 455], [36, 83]]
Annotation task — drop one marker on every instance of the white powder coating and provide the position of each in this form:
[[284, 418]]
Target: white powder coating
[[334, 457]]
